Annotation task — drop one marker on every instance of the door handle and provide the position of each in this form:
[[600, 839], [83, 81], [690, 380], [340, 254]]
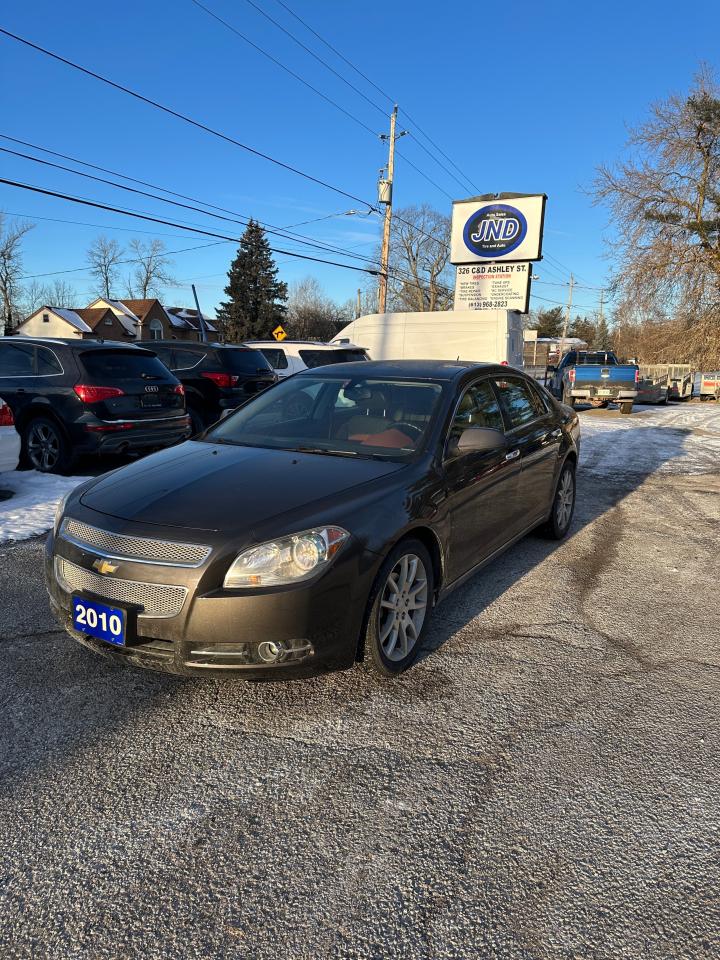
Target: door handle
[[513, 455]]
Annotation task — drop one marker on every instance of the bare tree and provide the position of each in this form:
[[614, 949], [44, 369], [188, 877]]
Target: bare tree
[[152, 271], [665, 205], [421, 277], [11, 234], [104, 257], [59, 293], [311, 315]]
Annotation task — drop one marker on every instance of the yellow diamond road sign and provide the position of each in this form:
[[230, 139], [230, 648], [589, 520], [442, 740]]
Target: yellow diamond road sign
[[279, 333]]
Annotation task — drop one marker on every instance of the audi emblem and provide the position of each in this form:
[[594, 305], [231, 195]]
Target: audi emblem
[[152, 389]]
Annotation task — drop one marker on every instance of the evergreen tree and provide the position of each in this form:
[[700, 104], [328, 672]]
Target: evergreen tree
[[603, 337], [256, 298], [548, 323]]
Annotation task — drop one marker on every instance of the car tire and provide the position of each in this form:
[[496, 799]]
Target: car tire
[[400, 608], [626, 408], [45, 447], [563, 506]]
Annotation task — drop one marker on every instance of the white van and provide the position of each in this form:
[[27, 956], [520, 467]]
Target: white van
[[494, 336], [292, 356]]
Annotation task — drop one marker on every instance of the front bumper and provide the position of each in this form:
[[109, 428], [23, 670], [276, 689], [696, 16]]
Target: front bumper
[[218, 632]]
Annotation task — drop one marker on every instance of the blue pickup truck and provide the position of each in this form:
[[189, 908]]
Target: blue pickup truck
[[595, 377]]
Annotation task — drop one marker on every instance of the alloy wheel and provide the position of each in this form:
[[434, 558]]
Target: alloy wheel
[[565, 498], [403, 607], [43, 446]]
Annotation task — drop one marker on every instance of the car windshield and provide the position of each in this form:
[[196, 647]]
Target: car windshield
[[245, 360], [353, 417]]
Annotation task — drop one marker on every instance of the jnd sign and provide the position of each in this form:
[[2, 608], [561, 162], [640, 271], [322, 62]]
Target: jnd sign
[[507, 227]]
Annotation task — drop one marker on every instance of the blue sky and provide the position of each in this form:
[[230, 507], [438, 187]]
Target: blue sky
[[525, 97]]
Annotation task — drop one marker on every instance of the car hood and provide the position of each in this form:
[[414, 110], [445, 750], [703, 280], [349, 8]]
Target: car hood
[[207, 486]]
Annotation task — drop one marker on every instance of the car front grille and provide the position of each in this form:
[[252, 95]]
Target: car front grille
[[156, 599], [142, 549]]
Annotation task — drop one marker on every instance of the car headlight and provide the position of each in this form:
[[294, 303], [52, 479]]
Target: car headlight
[[60, 512], [287, 560]]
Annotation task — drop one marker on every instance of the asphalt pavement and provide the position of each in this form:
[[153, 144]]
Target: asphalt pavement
[[545, 783]]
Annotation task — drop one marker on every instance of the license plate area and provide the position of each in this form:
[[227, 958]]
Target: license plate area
[[604, 393], [153, 402], [112, 623]]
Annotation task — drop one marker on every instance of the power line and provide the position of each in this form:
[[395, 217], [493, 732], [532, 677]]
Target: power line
[[559, 303], [168, 223], [181, 116], [282, 66], [352, 86], [176, 203], [304, 82], [372, 83], [86, 269], [172, 193]]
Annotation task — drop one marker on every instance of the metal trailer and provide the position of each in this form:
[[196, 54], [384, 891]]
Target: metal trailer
[[710, 385], [653, 385], [678, 376]]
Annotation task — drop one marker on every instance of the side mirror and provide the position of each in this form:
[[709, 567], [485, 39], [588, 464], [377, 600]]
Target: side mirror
[[480, 440]]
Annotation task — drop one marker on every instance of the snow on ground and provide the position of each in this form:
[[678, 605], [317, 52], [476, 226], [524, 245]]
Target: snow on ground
[[678, 438], [30, 511]]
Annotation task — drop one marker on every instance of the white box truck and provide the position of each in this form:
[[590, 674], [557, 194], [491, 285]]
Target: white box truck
[[494, 336]]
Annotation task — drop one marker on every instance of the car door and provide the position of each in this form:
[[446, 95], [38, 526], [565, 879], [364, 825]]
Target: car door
[[481, 486], [533, 431], [17, 374]]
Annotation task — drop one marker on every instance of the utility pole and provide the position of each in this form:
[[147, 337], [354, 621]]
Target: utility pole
[[602, 302], [358, 309], [385, 188], [569, 311], [201, 318]]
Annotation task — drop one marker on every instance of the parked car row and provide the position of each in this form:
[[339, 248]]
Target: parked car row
[[70, 397]]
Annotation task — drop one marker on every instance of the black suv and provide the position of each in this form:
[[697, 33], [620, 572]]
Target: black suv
[[88, 396], [216, 376]]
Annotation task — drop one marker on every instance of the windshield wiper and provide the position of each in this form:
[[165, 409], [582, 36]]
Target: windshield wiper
[[328, 451]]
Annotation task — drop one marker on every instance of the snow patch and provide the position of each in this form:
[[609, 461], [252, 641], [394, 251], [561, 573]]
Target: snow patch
[[30, 512]]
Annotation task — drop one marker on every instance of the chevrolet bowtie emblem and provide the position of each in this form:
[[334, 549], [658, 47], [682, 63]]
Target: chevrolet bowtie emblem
[[104, 566]]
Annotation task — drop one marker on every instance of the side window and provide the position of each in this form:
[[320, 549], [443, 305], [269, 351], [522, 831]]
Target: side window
[[478, 407], [17, 360], [48, 364], [520, 403], [165, 355], [187, 359], [275, 357]]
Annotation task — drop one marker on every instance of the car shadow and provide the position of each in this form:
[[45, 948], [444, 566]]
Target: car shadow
[[599, 490]]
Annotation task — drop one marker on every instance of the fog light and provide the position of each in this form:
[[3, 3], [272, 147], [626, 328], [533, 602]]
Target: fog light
[[270, 652]]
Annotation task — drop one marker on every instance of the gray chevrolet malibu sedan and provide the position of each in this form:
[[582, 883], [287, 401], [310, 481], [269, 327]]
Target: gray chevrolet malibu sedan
[[316, 526]]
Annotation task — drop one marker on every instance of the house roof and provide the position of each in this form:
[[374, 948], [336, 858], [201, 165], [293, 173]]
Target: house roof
[[94, 315], [189, 318], [128, 319], [71, 316]]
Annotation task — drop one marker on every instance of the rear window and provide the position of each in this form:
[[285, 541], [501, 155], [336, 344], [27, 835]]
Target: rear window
[[275, 357], [116, 365], [321, 358], [244, 361], [608, 359]]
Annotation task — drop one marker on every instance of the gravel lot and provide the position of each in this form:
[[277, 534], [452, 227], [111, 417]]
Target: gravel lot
[[544, 783]]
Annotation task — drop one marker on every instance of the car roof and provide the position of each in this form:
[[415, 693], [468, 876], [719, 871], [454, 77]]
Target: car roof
[[80, 344], [406, 369], [199, 343], [312, 344]]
